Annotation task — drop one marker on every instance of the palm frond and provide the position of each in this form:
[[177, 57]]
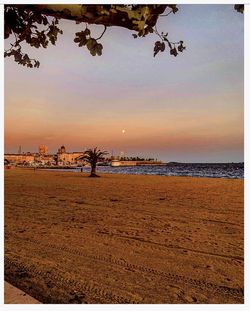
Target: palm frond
[[92, 156]]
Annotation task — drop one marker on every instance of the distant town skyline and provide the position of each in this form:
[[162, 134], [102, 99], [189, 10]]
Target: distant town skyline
[[43, 149], [186, 109]]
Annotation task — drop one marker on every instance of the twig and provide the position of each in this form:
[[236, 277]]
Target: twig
[[105, 28], [167, 13], [156, 31]]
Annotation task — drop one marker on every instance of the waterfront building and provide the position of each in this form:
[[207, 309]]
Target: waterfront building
[[62, 149], [43, 150], [68, 158], [23, 158]]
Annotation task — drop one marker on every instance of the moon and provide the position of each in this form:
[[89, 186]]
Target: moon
[[123, 131]]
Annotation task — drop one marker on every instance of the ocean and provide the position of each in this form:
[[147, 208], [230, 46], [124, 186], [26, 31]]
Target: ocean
[[212, 170]]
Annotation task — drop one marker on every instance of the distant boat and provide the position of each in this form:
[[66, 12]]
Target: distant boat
[[116, 163], [103, 164]]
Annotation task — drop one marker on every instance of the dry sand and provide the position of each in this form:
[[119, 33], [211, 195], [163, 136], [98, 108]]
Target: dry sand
[[124, 238]]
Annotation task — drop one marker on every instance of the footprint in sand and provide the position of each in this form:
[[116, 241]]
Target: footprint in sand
[[114, 200], [79, 202]]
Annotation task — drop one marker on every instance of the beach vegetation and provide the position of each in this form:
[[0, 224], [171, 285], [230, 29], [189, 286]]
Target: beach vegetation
[[93, 156]]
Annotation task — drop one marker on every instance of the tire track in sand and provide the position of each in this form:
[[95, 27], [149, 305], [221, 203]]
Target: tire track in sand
[[200, 284], [83, 286]]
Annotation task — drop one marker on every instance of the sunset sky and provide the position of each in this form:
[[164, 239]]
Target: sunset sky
[[188, 108]]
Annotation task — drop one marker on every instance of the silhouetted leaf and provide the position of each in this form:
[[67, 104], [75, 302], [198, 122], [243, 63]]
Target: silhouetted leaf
[[173, 7], [150, 29], [239, 8], [181, 48], [162, 47], [157, 47], [87, 32], [83, 41], [173, 52], [99, 48], [91, 43], [77, 39], [7, 31]]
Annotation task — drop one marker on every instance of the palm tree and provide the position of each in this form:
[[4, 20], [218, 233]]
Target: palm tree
[[92, 156]]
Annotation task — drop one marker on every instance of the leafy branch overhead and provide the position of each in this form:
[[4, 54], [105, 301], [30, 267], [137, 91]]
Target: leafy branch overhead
[[160, 46], [25, 26], [38, 26]]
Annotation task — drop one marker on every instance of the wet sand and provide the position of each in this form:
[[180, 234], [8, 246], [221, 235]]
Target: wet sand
[[124, 238]]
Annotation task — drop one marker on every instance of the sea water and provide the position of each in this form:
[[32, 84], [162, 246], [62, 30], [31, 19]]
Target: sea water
[[213, 170]]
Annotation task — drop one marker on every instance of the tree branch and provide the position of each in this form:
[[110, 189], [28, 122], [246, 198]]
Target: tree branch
[[107, 15], [105, 28]]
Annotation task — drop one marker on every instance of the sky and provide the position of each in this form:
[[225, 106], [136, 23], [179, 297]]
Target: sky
[[187, 108]]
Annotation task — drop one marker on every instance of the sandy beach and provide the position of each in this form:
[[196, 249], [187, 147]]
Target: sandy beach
[[124, 238]]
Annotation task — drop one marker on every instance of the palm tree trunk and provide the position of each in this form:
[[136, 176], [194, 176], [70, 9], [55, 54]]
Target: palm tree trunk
[[93, 171]]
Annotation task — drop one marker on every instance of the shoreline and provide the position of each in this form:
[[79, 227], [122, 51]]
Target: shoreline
[[77, 170]]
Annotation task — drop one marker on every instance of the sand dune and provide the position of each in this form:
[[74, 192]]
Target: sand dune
[[124, 238]]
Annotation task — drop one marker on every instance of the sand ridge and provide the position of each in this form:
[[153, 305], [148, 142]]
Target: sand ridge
[[124, 238]]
